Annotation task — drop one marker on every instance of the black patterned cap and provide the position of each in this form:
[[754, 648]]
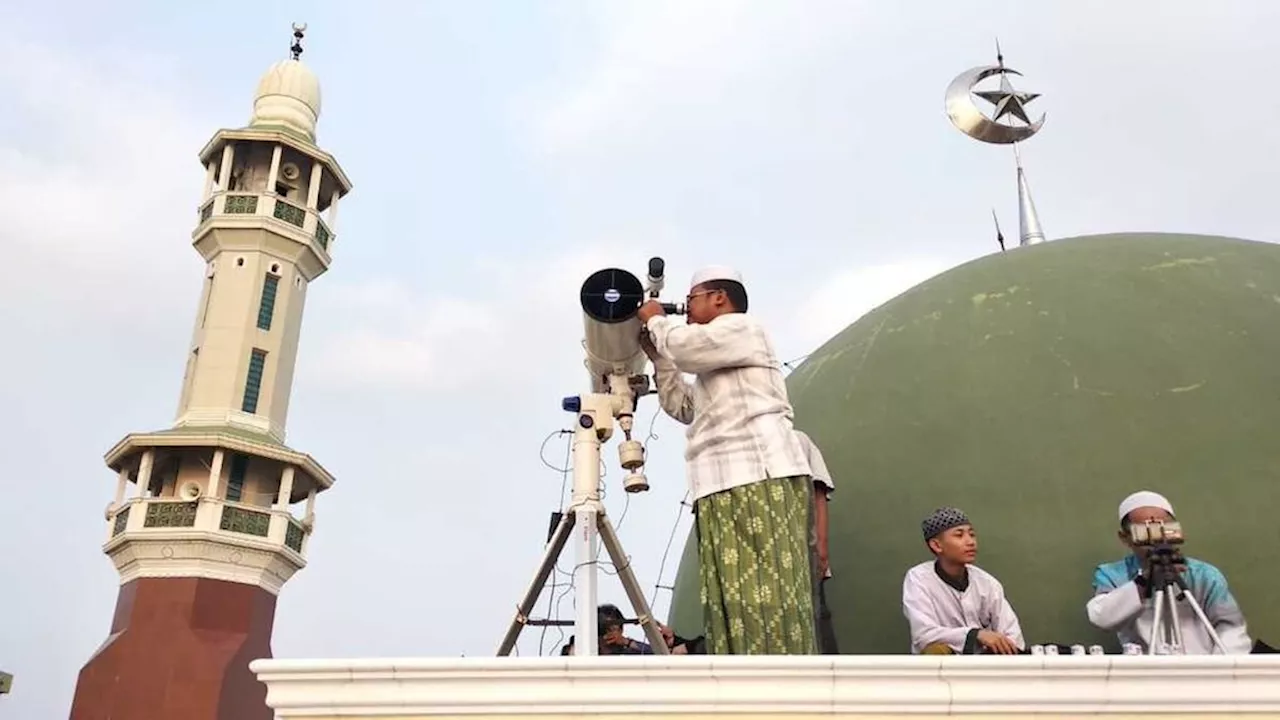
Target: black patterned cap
[[942, 520]]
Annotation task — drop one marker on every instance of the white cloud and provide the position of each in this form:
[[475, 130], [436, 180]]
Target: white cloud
[[520, 319], [98, 185], [444, 343], [672, 68], [847, 296]]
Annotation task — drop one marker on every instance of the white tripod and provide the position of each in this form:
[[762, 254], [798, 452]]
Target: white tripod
[[593, 426], [1167, 588]]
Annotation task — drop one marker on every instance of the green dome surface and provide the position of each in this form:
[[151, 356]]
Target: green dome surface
[[1035, 389]]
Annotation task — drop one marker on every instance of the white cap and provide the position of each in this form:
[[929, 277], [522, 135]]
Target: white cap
[[715, 272], [1144, 498]]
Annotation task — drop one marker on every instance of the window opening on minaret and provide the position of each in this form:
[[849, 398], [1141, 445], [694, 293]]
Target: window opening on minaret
[[235, 480], [189, 377], [208, 296], [267, 307], [253, 381]]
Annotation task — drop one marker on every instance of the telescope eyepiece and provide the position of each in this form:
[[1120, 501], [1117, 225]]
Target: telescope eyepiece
[[657, 267]]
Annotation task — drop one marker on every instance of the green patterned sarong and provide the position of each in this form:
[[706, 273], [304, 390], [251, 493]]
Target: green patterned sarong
[[755, 549]]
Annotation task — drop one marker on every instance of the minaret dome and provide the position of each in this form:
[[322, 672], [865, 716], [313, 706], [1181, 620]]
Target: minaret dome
[[288, 97]]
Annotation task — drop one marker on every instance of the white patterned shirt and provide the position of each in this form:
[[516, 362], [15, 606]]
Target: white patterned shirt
[[818, 470], [817, 464], [737, 408]]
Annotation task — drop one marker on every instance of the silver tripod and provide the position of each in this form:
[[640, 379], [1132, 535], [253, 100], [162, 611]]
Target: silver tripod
[[1167, 588], [586, 514]]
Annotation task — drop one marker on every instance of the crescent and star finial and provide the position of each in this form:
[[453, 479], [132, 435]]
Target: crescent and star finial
[[295, 50], [1006, 101]]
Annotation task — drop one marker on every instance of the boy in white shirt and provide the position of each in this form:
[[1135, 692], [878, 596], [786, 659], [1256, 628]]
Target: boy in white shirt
[[952, 605]]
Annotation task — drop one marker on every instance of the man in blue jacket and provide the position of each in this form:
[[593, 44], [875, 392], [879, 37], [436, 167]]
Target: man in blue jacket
[[1122, 597]]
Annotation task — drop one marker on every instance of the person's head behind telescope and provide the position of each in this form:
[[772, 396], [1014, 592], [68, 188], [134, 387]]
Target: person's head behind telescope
[[1139, 508], [609, 622], [714, 291]]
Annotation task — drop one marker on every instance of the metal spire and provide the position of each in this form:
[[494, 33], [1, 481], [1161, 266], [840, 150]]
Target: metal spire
[[295, 50], [1029, 230]]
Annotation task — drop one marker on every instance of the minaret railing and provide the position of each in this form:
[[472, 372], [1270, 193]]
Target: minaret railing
[[139, 517], [239, 203]]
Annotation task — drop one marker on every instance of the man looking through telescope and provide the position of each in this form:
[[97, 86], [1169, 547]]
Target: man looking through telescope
[[1123, 593], [747, 471]]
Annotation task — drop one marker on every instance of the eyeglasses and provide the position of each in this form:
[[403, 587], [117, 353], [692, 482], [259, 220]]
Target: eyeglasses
[[689, 298]]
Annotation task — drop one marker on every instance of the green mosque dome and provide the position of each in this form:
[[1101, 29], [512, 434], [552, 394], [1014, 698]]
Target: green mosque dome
[[1034, 389]]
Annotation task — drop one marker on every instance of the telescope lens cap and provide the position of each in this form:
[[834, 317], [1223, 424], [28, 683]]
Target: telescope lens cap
[[611, 295]]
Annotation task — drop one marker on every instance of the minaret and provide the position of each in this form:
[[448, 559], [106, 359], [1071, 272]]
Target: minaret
[[203, 528]]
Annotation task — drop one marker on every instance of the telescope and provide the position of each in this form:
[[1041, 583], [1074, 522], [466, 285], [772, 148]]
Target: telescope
[[610, 299]]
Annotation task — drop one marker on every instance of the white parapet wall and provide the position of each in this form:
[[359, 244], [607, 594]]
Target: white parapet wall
[[769, 687]]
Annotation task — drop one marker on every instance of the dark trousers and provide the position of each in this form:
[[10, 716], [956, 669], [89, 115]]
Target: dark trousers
[[826, 630]]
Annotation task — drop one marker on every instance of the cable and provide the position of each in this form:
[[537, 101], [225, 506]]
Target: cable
[[626, 505], [791, 364], [564, 471], [684, 502], [565, 593], [542, 453], [653, 419]]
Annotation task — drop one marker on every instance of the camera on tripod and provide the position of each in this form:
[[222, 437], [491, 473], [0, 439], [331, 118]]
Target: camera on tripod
[[1163, 541], [1162, 536]]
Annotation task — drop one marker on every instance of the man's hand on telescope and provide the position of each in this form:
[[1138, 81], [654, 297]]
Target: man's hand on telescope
[[1177, 563], [649, 309]]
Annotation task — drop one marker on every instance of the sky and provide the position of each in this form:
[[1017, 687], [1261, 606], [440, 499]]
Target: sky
[[500, 152]]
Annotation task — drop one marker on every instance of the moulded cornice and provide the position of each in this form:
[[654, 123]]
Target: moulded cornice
[[780, 685]]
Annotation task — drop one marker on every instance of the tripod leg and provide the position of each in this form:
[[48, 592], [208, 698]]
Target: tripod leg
[[1204, 621], [1157, 625], [549, 560], [629, 583], [1175, 622]]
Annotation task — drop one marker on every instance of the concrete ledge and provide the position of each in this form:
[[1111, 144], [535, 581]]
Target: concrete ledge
[[851, 685]]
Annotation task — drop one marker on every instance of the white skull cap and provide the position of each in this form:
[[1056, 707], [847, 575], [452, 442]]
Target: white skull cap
[[715, 272], [1144, 498]]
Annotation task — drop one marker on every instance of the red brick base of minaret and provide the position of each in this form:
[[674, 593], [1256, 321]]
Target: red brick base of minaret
[[180, 649]]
